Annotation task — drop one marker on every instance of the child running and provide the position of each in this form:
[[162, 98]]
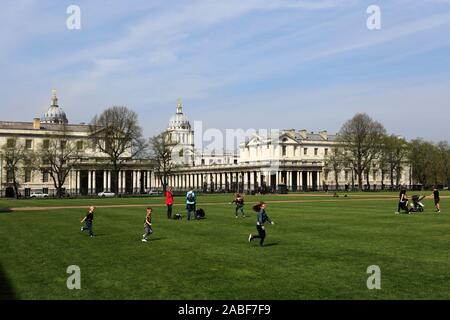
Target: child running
[[147, 225], [239, 201], [88, 220], [262, 218]]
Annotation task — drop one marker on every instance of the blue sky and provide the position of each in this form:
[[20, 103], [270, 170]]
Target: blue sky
[[235, 64]]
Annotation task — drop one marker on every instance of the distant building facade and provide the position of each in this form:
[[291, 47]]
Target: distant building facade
[[91, 174], [294, 159]]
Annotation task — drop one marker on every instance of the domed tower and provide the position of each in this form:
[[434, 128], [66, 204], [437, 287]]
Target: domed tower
[[181, 133], [55, 114]]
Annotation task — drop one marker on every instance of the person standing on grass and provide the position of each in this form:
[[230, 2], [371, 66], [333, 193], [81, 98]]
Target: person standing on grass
[[191, 202], [88, 221], [262, 218], [437, 199], [147, 225], [169, 202], [239, 201], [402, 201]]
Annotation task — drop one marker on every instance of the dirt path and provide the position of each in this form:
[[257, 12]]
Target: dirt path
[[358, 198]]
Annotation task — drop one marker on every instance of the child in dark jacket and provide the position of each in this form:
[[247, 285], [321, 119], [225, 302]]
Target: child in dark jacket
[[261, 219]]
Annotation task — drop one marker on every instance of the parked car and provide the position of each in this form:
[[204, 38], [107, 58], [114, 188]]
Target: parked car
[[104, 194], [38, 194], [154, 192]]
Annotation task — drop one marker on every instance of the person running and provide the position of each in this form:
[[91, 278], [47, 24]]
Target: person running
[[169, 202], [437, 199], [88, 221], [239, 201], [262, 218], [402, 201], [147, 225], [191, 202]]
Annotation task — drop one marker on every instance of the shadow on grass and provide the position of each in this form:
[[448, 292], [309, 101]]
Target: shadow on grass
[[5, 210], [271, 244], [6, 290], [155, 239]]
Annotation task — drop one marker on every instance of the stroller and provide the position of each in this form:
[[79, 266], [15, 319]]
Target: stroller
[[417, 205]]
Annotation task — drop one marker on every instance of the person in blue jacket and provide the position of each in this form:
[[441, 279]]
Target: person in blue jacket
[[191, 202], [262, 217]]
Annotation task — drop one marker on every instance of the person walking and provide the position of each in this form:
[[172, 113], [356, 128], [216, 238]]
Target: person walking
[[147, 225], [169, 202], [437, 199], [191, 202], [261, 219], [402, 201], [88, 221]]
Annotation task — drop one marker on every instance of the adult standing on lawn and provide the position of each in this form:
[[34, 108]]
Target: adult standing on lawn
[[437, 199], [169, 202], [191, 202]]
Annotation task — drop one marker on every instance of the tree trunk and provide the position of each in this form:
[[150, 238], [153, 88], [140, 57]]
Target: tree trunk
[[336, 178]]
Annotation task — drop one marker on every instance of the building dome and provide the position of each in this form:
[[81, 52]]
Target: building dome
[[55, 114], [179, 120]]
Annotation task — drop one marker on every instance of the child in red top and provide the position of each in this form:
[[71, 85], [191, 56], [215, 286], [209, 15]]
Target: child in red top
[[169, 202]]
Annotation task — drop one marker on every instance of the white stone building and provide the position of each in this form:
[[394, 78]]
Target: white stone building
[[290, 158]]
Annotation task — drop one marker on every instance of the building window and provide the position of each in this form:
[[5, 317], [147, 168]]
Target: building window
[[316, 151], [27, 175], [63, 144], [45, 190], [346, 175], [284, 150], [326, 151], [46, 144], [375, 175], [29, 144], [235, 161], [305, 151], [45, 176], [203, 161], [80, 145], [9, 176], [11, 143]]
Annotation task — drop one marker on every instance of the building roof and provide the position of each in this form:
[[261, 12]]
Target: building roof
[[14, 125], [55, 114]]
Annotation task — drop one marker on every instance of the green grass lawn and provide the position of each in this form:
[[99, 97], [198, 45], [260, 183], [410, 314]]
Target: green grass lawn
[[316, 250]]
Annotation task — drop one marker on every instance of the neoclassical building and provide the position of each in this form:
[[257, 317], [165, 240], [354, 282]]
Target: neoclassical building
[[289, 158], [91, 174]]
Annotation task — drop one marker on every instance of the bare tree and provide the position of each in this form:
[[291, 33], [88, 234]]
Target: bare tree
[[335, 161], [161, 148], [117, 134], [361, 137], [59, 154], [394, 152], [18, 159]]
